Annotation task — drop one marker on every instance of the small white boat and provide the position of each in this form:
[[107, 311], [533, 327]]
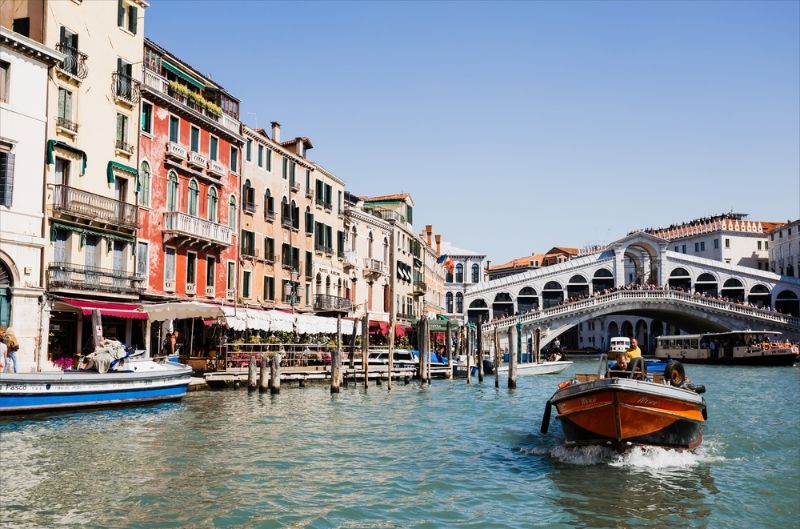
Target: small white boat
[[133, 381], [541, 368]]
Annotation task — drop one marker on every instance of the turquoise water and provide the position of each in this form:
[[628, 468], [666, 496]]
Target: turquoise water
[[447, 455]]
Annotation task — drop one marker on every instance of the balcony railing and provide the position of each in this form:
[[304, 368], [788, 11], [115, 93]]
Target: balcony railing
[[214, 167], [74, 62], [182, 225], [387, 214], [64, 123], [373, 265], [122, 145], [322, 248], [79, 277], [326, 302], [210, 291], [420, 287], [404, 315], [197, 159], [191, 289], [154, 81], [294, 185], [269, 215], [96, 208], [176, 150], [125, 87]]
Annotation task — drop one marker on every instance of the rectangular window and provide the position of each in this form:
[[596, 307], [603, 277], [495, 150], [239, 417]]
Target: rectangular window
[[716, 244], [6, 178], [269, 248], [169, 264], [683, 248], [677, 249], [5, 68], [269, 160], [328, 196], [759, 245], [174, 129], [194, 139], [696, 247], [309, 265], [248, 243], [291, 172], [249, 150], [211, 265], [64, 108], [122, 132], [246, 284], [147, 117], [234, 159], [260, 155], [142, 260], [191, 268], [231, 275], [308, 180], [213, 145], [702, 246], [269, 288], [339, 202], [285, 170], [727, 243]]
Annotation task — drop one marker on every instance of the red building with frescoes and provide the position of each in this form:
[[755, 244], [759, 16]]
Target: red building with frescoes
[[189, 165]]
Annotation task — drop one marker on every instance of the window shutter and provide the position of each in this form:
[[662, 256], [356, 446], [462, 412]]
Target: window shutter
[[120, 13], [67, 105], [132, 19], [6, 178], [119, 66], [73, 41], [62, 96], [63, 37]]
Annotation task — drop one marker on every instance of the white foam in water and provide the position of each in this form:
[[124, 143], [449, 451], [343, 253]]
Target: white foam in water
[[642, 457]]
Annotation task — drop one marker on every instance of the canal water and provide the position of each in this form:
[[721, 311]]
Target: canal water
[[444, 456]]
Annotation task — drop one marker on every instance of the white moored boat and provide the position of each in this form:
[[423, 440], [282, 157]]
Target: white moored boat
[[541, 368]]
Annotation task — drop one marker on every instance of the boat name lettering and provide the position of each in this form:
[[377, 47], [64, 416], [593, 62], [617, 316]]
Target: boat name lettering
[[646, 401], [588, 400], [16, 387]]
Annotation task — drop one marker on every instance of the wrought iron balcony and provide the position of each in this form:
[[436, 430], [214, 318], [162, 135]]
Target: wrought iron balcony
[[420, 288], [123, 146], [64, 123], [201, 231], [374, 266], [328, 303], [350, 260], [69, 201], [125, 88], [322, 248], [79, 277], [74, 62]]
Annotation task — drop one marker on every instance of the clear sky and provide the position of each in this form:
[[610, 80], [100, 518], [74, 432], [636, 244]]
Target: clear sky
[[521, 126]]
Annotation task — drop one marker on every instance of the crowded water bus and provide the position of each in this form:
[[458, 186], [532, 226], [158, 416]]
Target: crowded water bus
[[763, 348]]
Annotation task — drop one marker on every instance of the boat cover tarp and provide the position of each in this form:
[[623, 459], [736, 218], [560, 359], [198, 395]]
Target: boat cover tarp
[[240, 319], [102, 357], [129, 311], [182, 310]]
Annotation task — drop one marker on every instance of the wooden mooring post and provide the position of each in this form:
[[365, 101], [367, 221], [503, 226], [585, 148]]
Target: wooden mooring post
[[336, 357], [497, 358], [449, 349], [537, 343], [275, 374], [264, 378], [252, 374], [479, 339], [365, 349], [468, 351], [97, 330], [512, 359]]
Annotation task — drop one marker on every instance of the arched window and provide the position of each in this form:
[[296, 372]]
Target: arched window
[[144, 184], [459, 302], [476, 273], [319, 284], [459, 273], [328, 285], [309, 220], [194, 194], [353, 235], [295, 216], [269, 206], [212, 204], [248, 197], [172, 191], [448, 300], [286, 212], [369, 245], [386, 250], [5, 296], [232, 212]]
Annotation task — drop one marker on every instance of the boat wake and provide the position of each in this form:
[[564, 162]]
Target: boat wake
[[637, 457]]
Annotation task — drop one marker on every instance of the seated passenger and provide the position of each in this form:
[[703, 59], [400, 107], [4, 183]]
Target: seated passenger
[[622, 362]]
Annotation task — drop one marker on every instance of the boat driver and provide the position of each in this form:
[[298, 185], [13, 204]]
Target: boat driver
[[622, 362], [634, 350]]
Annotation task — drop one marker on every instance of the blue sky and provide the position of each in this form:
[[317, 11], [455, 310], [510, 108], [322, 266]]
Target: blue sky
[[520, 126]]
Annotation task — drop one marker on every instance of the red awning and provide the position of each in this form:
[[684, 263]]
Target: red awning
[[379, 326], [399, 330], [116, 310]]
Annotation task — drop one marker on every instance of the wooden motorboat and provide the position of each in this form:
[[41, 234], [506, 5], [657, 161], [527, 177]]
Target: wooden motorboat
[[625, 408], [537, 368]]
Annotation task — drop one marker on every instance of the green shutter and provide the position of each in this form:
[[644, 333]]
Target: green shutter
[[133, 19], [120, 13]]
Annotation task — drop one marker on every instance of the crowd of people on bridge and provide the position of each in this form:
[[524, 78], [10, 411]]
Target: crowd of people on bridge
[[644, 287]]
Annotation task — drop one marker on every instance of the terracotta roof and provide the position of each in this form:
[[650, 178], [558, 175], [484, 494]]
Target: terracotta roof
[[521, 262], [398, 196], [562, 249], [770, 226], [304, 139]]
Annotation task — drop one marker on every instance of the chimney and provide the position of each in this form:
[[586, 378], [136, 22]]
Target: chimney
[[428, 232], [438, 244], [276, 132]]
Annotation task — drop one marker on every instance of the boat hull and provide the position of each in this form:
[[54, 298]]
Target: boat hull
[[24, 393], [787, 359], [623, 412], [543, 368]]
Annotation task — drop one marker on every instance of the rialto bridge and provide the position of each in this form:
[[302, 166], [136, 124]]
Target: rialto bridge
[[637, 275]]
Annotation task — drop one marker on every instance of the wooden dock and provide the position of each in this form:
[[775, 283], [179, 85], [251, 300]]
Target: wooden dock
[[236, 377]]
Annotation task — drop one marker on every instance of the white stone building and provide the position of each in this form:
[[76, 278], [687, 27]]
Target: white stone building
[[784, 249], [24, 68], [468, 270]]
